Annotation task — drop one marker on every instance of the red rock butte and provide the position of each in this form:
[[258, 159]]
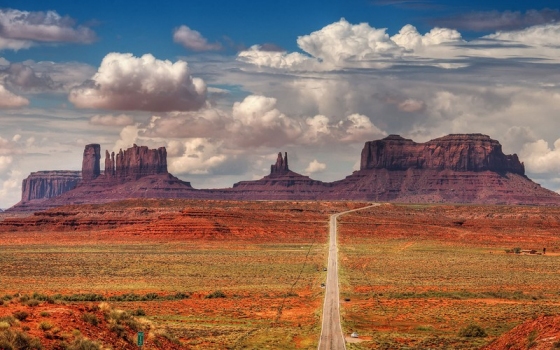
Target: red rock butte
[[458, 168]]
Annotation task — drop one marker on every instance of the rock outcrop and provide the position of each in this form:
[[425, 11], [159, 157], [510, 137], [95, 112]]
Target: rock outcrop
[[281, 166], [457, 152], [134, 163], [459, 168], [90, 162], [48, 184], [280, 184]]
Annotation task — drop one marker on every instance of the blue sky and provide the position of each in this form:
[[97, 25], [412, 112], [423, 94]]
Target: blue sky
[[225, 85]]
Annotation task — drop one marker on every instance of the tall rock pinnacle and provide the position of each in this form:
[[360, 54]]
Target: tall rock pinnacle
[[90, 163], [281, 166]]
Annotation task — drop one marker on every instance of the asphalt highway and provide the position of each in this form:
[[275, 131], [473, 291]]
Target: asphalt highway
[[332, 337]]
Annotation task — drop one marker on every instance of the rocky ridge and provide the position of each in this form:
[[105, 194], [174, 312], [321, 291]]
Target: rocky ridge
[[458, 168]]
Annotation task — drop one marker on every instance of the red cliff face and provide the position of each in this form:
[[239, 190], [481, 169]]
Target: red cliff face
[[135, 162], [48, 184], [458, 152]]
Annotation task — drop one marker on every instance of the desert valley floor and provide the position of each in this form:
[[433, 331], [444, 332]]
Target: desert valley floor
[[247, 275]]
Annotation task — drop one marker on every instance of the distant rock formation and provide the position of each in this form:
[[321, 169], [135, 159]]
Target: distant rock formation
[[458, 168], [48, 184], [90, 162], [280, 184], [281, 166], [458, 152], [134, 163]]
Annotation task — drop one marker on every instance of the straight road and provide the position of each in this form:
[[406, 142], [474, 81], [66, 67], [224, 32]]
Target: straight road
[[332, 337]]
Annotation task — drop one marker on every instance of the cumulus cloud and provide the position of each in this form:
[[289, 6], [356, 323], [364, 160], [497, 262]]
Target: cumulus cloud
[[199, 156], [10, 100], [126, 82], [410, 39], [358, 127], [21, 29], [111, 120], [10, 188], [315, 167], [193, 40], [342, 45], [278, 59], [539, 35], [257, 121], [209, 122], [540, 158]]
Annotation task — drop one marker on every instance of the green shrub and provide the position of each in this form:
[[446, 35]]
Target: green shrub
[[4, 325], [21, 315], [45, 326], [90, 318], [472, 331], [24, 298], [45, 314], [216, 294]]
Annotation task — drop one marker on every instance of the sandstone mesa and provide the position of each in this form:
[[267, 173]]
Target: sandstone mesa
[[458, 168]]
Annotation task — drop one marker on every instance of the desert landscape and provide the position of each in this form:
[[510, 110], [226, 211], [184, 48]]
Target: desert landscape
[[229, 274]]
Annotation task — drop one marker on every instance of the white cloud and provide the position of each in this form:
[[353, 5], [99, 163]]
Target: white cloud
[[5, 162], [10, 189], [315, 167], [410, 39], [341, 42], [257, 121], [538, 35], [21, 29], [126, 82], [193, 40], [280, 60], [359, 127], [540, 158], [111, 120], [200, 156], [342, 45], [128, 137], [10, 100]]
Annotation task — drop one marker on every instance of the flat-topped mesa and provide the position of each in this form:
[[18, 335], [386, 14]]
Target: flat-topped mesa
[[458, 152], [90, 162], [135, 162], [281, 166], [48, 184]]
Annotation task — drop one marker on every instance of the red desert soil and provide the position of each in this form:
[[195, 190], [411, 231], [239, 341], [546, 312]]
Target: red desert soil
[[253, 251], [416, 275]]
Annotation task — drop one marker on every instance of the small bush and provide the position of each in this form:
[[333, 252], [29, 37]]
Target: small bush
[[216, 294], [82, 344], [16, 340], [32, 302], [7, 297], [21, 315], [45, 326], [90, 318], [24, 298], [11, 320], [473, 331], [4, 325], [45, 314], [139, 312]]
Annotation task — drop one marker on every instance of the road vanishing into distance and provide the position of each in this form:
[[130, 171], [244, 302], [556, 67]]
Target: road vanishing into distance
[[332, 337]]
